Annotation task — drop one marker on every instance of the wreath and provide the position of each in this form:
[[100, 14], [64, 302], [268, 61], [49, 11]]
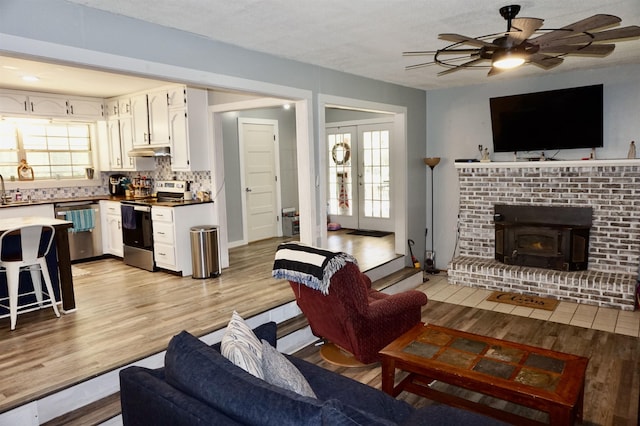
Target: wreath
[[345, 157]]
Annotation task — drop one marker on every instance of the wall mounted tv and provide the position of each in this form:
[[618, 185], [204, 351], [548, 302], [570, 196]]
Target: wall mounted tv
[[551, 120]]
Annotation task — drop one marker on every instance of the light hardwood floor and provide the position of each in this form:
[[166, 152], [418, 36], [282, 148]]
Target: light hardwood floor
[[125, 314], [612, 378]]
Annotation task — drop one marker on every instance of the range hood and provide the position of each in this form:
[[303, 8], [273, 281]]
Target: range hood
[[162, 151]]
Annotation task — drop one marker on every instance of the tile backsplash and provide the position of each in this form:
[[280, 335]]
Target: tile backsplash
[[200, 181]]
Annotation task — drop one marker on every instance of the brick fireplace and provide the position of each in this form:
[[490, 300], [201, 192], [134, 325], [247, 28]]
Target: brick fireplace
[[611, 188]]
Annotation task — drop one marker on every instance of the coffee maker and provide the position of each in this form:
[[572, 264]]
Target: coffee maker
[[115, 184]]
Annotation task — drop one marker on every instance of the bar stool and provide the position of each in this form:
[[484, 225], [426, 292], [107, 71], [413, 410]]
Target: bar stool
[[34, 244]]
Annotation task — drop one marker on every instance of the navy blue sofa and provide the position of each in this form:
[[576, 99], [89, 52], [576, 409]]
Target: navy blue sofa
[[198, 386]]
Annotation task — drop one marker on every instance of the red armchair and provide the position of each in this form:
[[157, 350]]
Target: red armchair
[[355, 317]]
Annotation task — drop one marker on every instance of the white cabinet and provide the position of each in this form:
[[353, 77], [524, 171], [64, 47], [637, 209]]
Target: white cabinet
[[34, 104], [164, 247], [69, 107], [112, 224], [120, 132], [171, 234], [48, 105], [116, 107], [12, 102], [188, 129], [150, 119]]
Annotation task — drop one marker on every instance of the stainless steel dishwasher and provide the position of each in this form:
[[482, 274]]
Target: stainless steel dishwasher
[[85, 238]]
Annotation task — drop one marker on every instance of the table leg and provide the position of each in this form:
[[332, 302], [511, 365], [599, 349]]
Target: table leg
[[64, 266], [388, 376]]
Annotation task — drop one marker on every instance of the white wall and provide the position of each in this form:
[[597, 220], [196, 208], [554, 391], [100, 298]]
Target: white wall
[[458, 120]]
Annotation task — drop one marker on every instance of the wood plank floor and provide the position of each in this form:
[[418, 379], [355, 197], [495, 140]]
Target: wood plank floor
[[125, 314], [612, 378]]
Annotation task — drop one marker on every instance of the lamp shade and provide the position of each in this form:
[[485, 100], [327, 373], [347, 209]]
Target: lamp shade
[[432, 161]]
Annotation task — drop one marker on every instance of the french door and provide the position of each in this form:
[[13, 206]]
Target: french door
[[359, 176]]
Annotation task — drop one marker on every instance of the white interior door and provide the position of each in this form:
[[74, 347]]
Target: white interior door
[[374, 177], [259, 150], [359, 174]]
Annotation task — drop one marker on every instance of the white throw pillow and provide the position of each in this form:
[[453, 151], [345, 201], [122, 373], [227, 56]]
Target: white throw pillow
[[241, 346], [279, 371]]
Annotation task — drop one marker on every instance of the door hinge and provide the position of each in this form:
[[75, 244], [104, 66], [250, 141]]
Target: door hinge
[[277, 218], [276, 178]]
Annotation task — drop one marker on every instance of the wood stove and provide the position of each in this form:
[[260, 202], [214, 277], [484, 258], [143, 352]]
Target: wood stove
[[543, 236]]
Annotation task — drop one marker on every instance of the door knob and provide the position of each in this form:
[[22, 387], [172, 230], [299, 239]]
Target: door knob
[[247, 189]]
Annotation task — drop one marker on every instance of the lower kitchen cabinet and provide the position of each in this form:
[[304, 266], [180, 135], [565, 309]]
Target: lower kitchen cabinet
[[171, 234], [112, 226]]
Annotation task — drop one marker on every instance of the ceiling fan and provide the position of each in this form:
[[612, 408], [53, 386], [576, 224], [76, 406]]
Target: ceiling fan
[[514, 47]]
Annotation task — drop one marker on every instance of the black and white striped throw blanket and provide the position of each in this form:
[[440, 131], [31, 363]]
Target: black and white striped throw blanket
[[308, 265]]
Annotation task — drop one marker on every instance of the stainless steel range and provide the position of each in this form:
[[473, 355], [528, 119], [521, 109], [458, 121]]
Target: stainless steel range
[[137, 226]]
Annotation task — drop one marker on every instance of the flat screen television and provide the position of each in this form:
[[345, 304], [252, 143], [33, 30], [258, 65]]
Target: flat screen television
[[551, 120]]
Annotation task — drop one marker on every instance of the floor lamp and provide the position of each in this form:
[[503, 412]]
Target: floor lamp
[[430, 255]]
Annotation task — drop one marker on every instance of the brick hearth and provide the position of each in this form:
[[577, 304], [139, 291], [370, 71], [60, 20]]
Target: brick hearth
[[610, 187]]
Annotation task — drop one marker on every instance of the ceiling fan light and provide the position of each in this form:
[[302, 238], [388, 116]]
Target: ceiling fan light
[[507, 60]]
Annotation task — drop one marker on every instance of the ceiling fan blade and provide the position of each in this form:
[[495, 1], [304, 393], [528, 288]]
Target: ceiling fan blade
[[416, 66], [457, 38], [623, 33], [577, 49], [522, 28], [544, 61], [442, 52], [465, 65], [588, 24]]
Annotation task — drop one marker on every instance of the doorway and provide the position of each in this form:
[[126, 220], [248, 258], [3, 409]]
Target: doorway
[[258, 139], [359, 176]]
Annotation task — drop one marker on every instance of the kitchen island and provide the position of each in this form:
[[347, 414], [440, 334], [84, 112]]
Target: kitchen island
[[61, 250]]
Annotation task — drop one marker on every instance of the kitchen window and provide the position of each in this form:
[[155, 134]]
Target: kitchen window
[[53, 150]]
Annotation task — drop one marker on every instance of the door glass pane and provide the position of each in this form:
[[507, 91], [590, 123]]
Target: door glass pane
[[376, 174], [340, 174]]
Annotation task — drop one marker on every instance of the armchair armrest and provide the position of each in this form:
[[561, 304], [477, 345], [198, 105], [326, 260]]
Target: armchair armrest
[[397, 303]]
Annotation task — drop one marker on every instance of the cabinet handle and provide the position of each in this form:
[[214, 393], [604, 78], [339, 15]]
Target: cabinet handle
[[25, 106], [161, 233], [118, 224], [71, 109], [31, 106]]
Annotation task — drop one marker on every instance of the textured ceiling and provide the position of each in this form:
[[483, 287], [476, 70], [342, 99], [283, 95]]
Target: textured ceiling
[[367, 37]]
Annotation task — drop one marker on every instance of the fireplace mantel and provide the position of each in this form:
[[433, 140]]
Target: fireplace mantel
[[547, 164]]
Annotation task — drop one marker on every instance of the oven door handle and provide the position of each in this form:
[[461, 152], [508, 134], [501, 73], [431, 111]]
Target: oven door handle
[[142, 208]]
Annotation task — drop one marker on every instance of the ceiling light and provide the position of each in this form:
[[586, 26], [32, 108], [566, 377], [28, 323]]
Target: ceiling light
[[30, 78], [507, 60], [286, 106]]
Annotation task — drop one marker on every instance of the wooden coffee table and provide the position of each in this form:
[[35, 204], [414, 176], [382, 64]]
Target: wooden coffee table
[[549, 381]]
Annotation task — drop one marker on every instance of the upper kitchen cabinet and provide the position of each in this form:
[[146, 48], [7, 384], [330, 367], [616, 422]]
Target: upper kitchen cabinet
[[118, 108], [120, 134], [47, 105], [12, 102], [150, 113], [188, 129]]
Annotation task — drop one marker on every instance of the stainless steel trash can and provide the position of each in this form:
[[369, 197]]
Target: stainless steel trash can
[[204, 251]]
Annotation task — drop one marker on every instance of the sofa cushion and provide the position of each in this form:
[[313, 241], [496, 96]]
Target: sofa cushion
[[329, 385], [336, 413], [240, 346], [202, 372], [279, 371]]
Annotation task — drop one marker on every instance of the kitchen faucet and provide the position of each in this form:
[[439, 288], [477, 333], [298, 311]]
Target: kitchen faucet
[[3, 193]]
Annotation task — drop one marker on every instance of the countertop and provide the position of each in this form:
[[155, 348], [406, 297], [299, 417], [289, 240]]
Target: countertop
[[97, 198]]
